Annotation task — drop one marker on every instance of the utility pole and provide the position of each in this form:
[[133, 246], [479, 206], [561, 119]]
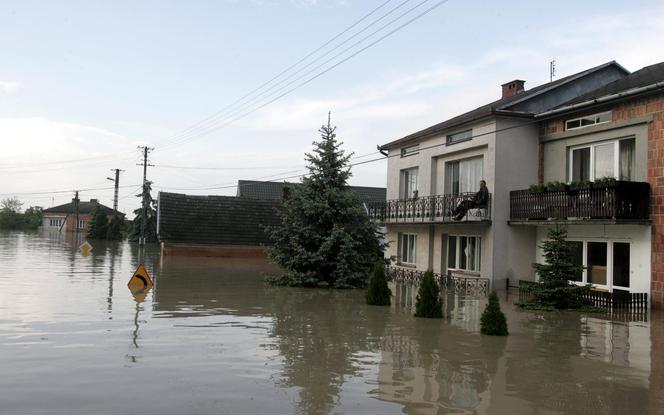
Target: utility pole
[[117, 184], [144, 210], [76, 200]]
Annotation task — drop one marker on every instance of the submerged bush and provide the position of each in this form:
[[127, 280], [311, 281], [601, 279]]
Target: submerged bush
[[378, 293], [428, 298], [493, 321]]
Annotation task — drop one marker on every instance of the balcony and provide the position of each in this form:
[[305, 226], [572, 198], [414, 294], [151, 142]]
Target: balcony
[[427, 209], [608, 203]]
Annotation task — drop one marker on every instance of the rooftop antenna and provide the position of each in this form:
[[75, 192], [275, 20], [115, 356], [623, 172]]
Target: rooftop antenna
[[552, 70]]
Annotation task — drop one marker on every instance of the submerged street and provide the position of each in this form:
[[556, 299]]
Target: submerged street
[[211, 337]]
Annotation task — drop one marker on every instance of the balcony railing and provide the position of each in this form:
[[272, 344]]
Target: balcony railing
[[428, 209], [615, 201]]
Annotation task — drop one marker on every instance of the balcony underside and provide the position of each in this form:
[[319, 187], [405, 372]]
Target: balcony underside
[[446, 221], [541, 222]]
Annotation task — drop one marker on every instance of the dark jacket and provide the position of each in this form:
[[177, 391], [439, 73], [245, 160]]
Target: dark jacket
[[481, 198]]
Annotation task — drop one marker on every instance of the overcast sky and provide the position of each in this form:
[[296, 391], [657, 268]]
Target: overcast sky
[[82, 83]]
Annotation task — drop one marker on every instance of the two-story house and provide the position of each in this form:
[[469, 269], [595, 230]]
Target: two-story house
[[430, 172], [607, 146]]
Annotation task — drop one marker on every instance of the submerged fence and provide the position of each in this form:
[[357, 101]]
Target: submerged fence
[[469, 285], [618, 299]]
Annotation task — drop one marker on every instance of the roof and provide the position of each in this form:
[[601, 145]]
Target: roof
[[83, 208], [252, 189], [218, 220], [643, 77], [503, 106]]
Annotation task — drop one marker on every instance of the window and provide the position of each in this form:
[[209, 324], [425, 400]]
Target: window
[[463, 176], [408, 183], [81, 224], [606, 263], [407, 246], [463, 252], [606, 159], [55, 222], [409, 151], [593, 119], [460, 136]]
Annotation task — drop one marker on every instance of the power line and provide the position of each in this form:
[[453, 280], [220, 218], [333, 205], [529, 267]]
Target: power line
[[52, 192], [224, 123], [275, 77]]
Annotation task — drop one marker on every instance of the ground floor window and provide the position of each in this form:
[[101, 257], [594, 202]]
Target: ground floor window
[[55, 222], [606, 263], [463, 252], [407, 248]]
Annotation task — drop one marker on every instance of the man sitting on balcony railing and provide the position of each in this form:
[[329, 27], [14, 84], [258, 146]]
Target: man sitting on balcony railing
[[479, 201]]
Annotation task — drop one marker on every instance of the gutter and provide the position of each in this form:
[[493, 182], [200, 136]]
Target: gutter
[[606, 98]]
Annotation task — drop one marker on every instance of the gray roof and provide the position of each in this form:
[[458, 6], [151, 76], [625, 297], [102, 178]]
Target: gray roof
[[83, 208], [252, 189], [219, 220], [518, 105], [643, 77]]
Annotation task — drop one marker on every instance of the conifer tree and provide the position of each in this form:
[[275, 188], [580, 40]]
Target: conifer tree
[[493, 321], [428, 302], [555, 289], [378, 293], [99, 224], [114, 232], [151, 220], [325, 238]]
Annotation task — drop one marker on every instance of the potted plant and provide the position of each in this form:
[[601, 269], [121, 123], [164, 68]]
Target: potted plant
[[537, 188], [556, 186]]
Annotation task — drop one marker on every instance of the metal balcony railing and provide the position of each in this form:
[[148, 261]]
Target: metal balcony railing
[[428, 209], [619, 201]]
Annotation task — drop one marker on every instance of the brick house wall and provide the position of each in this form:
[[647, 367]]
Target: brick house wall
[[652, 106]]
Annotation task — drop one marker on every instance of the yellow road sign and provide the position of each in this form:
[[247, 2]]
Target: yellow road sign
[[140, 280], [85, 248]]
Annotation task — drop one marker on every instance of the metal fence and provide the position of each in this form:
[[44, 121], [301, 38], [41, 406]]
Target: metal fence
[[428, 209], [460, 284], [617, 299]]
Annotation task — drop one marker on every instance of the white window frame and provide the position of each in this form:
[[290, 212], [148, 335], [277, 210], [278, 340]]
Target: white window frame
[[591, 146], [410, 150], [609, 262], [449, 138], [403, 237], [81, 224], [457, 260], [55, 222], [448, 167], [594, 117], [402, 182]]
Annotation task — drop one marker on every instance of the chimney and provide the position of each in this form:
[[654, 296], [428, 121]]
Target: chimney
[[94, 201], [513, 87]]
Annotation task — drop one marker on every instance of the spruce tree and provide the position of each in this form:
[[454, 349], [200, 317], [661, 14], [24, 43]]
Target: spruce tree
[[493, 321], [325, 238], [378, 293], [428, 302], [114, 232], [151, 221], [555, 289], [99, 224]]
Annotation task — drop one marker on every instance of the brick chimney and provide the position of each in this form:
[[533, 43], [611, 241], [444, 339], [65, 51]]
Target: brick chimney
[[513, 87]]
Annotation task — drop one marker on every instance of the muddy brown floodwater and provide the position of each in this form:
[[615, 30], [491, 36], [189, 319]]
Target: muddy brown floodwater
[[211, 338]]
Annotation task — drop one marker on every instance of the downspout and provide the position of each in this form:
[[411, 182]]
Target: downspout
[[381, 151]]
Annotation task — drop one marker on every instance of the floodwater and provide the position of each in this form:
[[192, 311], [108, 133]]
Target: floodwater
[[211, 338]]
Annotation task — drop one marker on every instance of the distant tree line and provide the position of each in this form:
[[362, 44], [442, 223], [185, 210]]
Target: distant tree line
[[12, 218]]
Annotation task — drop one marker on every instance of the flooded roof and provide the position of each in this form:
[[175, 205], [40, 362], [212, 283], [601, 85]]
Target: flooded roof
[[215, 220], [254, 189]]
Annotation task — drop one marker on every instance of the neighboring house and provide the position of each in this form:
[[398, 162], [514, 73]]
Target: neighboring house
[[615, 131], [223, 226], [228, 226], [429, 172], [275, 190], [63, 217]]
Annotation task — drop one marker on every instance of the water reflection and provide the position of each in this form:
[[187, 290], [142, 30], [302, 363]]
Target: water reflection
[[211, 337]]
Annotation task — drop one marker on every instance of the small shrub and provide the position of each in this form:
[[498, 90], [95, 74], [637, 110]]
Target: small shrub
[[493, 320], [428, 302], [537, 188], [555, 185], [378, 293]]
